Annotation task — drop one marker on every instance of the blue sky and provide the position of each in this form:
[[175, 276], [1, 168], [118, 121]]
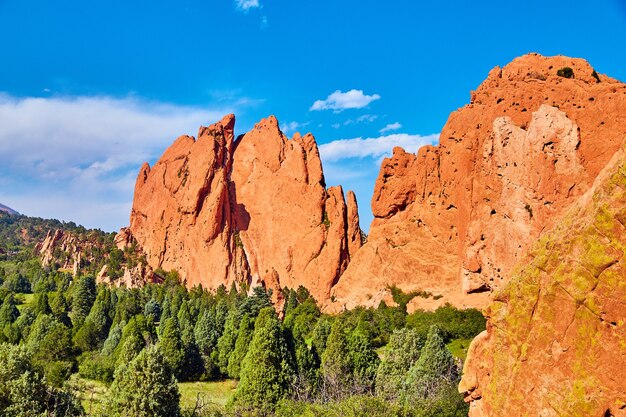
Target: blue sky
[[90, 89]]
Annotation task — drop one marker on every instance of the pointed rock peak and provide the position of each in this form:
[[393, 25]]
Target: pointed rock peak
[[269, 123], [226, 126]]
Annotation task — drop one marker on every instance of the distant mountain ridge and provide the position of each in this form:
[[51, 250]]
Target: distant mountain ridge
[[7, 209]]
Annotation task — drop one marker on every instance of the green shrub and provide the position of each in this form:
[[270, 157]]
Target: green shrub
[[565, 72]]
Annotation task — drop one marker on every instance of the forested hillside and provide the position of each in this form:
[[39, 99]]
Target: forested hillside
[[145, 347]]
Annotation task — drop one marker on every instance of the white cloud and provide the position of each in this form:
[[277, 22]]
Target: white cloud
[[339, 101], [373, 147], [390, 127], [77, 158], [366, 118], [246, 5], [289, 127]]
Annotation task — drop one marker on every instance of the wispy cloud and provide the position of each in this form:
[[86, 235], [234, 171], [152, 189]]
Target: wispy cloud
[[373, 147], [390, 127], [76, 158], [290, 127], [366, 118], [246, 5], [339, 101]]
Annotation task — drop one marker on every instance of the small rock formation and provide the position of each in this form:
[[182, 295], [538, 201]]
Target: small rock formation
[[66, 250], [453, 219], [555, 343], [255, 211]]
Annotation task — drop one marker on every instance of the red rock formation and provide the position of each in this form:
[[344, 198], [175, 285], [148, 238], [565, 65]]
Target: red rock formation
[[65, 249], [456, 217], [255, 210], [555, 343]]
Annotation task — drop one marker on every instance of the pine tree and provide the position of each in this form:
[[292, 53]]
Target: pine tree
[[113, 339], [206, 334], [146, 387], [130, 348], [244, 337], [152, 310], [267, 371], [402, 352], [259, 299], [226, 342], [93, 332], [172, 346], [336, 361], [321, 331], [434, 370], [61, 308], [307, 365], [84, 295], [42, 306], [8, 312], [364, 360]]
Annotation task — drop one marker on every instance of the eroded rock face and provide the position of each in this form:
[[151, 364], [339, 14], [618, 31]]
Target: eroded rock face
[[255, 210], [453, 219], [555, 343], [67, 250]]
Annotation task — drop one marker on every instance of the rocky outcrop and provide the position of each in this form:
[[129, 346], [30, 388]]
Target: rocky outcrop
[[66, 251], [254, 210], [555, 343], [453, 219]]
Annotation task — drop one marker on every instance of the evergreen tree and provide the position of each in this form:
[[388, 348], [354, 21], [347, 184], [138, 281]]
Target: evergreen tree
[[60, 308], [186, 324], [206, 334], [132, 345], [137, 330], [8, 312], [336, 361], [42, 306], [113, 339], [258, 300], [307, 365], [364, 360], [244, 337], [226, 342], [152, 310], [146, 387], [434, 370], [84, 295], [93, 332], [267, 372], [321, 331], [402, 352], [172, 346], [24, 392]]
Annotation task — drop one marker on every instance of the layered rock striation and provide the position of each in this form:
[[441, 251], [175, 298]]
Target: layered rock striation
[[254, 210], [555, 343], [453, 219]]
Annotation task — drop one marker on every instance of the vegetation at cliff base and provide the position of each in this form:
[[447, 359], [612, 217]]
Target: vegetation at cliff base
[[72, 347]]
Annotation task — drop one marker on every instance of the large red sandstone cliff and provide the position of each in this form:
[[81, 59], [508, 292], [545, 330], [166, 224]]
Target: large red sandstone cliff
[[251, 210], [453, 219], [555, 343]]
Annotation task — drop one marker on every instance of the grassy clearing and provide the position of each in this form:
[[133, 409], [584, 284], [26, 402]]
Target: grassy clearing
[[93, 393], [24, 300], [459, 347], [208, 392]]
